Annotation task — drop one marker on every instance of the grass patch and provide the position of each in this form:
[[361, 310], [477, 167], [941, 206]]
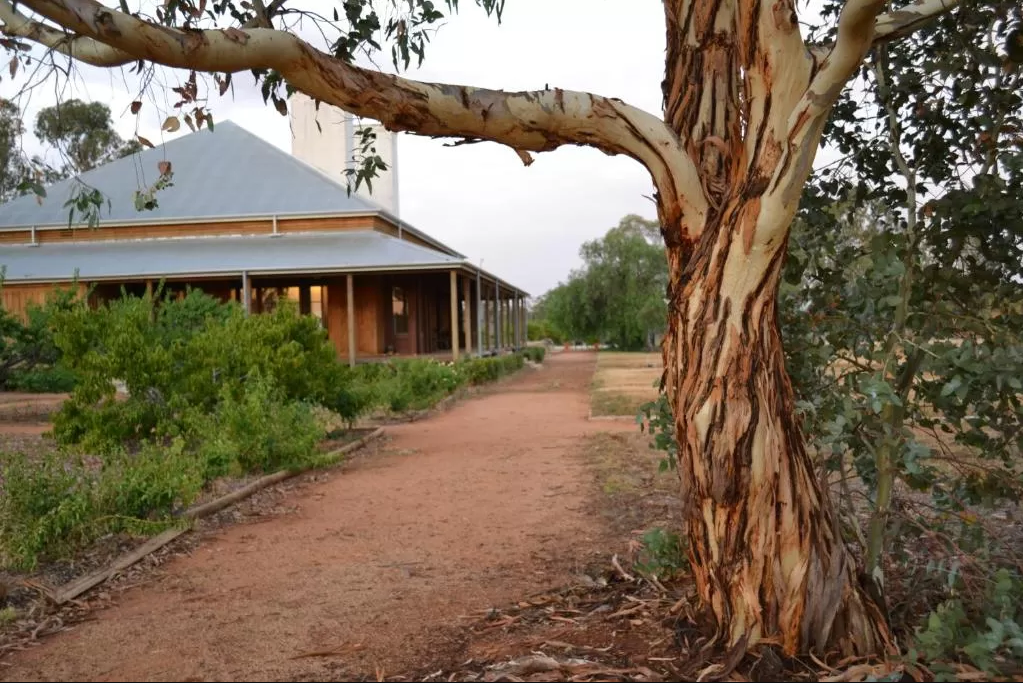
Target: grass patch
[[623, 382], [637, 500], [606, 403]]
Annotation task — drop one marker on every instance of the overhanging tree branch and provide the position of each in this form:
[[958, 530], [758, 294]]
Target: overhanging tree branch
[[536, 121], [80, 48], [860, 27], [807, 118], [903, 21]]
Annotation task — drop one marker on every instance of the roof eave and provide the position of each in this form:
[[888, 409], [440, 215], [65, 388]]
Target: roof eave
[[237, 218]]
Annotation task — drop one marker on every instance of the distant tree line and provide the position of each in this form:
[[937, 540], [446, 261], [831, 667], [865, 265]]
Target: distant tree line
[[617, 297]]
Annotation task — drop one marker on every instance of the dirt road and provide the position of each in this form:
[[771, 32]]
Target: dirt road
[[470, 509]]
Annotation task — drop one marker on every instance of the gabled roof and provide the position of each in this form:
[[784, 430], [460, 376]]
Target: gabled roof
[[226, 172], [154, 258]]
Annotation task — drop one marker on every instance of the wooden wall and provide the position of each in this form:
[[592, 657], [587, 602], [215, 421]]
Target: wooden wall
[[370, 314], [429, 314], [17, 298]]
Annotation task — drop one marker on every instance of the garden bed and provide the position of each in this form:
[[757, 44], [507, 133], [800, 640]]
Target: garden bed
[[45, 601], [191, 405]]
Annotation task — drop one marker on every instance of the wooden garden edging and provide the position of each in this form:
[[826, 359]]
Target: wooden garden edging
[[72, 590]]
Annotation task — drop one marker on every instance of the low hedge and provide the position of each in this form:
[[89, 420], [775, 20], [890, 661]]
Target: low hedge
[[535, 354]]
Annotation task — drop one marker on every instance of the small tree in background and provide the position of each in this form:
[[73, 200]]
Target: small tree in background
[[83, 134]]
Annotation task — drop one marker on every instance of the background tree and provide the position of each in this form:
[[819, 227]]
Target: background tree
[[746, 102], [618, 295], [12, 160], [83, 134]]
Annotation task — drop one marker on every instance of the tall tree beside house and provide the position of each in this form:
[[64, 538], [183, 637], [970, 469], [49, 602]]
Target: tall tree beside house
[[83, 134], [746, 100], [618, 295]]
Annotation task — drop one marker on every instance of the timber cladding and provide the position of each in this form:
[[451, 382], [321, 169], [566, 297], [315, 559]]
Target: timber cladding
[[261, 226], [16, 299]]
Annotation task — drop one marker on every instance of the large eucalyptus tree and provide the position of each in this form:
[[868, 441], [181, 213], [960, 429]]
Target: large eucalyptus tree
[[746, 99]]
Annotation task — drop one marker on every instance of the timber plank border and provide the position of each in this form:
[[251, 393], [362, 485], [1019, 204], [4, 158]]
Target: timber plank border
[[73, 589]]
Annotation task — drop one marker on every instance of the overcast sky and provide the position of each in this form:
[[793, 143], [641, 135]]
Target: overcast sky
[[525, 224]]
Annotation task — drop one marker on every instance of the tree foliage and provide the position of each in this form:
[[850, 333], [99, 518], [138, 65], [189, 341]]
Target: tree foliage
[[83, 134], [903, 309], [618, 296], [12, 160]]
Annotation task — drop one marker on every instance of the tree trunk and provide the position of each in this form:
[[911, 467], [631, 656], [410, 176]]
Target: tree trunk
[[764, 542]]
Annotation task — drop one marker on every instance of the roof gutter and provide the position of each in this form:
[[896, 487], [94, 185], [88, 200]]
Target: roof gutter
[[237, 273]]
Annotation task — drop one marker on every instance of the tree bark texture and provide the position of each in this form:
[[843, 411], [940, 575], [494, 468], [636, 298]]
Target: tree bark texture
[[745, 101], [764, 543], [765, 547]]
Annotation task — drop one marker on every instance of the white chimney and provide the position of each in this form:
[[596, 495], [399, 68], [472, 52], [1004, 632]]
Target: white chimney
[[330, 147]]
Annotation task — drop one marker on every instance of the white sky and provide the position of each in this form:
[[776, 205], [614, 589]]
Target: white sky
[[526, 224]]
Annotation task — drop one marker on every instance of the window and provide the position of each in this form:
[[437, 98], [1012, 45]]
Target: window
[[316, 302], [399, 310]]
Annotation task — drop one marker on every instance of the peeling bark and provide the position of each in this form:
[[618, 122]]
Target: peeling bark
[[766, 551], [768, 558]]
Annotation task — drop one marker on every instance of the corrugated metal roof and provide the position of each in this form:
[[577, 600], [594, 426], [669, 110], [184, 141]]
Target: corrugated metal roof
[[228, 255], [220, 173]]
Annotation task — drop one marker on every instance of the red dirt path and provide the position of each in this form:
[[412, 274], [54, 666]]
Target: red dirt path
[[470, 509]]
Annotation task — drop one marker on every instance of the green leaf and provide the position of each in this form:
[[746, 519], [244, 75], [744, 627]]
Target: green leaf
[[951, 386]]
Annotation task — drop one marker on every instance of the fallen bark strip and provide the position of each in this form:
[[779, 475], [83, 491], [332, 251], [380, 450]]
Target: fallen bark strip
[[72, 590]]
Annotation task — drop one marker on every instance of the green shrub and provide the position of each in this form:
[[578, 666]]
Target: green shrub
[[512, 363], [29, 357], [46, 379], [420, 383], [44, 505], [483, 370], [147, 485], [351, 397], [259, 431], [535, 354], [987, 633], [663, 553], [177, 356]]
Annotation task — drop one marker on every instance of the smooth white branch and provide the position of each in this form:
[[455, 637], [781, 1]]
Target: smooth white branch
[[903, 21], [83, 49], [860, 27]]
